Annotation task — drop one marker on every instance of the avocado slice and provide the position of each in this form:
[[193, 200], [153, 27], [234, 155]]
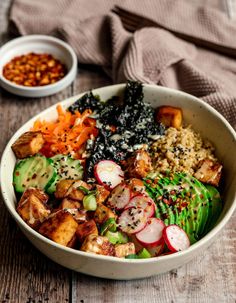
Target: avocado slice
[[199, 206], [215, 208], [172, 214], [186, 202]]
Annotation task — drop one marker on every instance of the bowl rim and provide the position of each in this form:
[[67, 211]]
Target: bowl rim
[[210, 235], [46, 39]]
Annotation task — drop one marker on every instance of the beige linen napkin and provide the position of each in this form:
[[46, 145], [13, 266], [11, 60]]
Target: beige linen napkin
[[173, 43]]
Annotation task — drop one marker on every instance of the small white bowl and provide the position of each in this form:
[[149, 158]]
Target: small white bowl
[[38, 44], [203, 119]]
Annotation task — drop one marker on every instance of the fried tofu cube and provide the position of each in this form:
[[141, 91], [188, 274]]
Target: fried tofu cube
[[70, 204], [72, 242], [73, 207], [60, 227], [209, 172], [98, 245], [139, 165], [101, 194], [170, 116], [103, 213], [70, 189], [80, 215], [28, 144], [123, 250], [136, 186], [40, 194], [85, 229], [32, 207], [62, 188]]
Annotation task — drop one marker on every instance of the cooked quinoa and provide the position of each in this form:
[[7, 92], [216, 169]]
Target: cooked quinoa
[[180, 150]]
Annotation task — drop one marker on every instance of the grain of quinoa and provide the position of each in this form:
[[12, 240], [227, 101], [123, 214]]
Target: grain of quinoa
[[180, 151]]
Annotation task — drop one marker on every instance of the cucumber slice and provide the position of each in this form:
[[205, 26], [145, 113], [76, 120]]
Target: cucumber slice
[[52, 188], [67, 168], [117, 237], [35, 172]]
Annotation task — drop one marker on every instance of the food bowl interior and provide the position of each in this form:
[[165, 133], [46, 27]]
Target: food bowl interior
[[36, 45], [203, 119]]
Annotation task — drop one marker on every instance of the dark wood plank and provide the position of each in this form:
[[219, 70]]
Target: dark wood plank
[[90, 77], [209, 278], [25, 274]]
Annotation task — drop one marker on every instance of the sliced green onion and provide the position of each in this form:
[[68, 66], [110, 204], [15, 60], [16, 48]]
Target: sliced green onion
[[132, 256], [123, 238], [117, 237], [84, 190], [144, 254], [89, 202], [110, 224], [87, 191]]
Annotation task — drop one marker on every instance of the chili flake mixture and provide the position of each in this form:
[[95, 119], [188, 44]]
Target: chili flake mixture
[[34, 70]]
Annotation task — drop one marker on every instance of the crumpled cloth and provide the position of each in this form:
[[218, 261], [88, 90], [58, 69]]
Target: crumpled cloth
[[172, 43]]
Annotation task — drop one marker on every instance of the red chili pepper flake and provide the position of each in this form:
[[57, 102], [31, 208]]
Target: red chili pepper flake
[[166, 201], [184, 204]]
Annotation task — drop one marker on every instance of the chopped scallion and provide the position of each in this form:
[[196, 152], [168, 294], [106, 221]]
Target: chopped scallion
[[89, 202]]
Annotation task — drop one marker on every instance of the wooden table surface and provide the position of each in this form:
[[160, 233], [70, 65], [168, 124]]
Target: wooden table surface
[[28, 276]]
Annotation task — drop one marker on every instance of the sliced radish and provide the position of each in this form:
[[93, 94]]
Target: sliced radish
[[108, 173], [144, 202], [120, 196], [132, 220], [156, 250], [152, 234], [175, 238]]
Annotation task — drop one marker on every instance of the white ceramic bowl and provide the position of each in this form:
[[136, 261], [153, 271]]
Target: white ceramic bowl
[[38, 44], [204, 119]]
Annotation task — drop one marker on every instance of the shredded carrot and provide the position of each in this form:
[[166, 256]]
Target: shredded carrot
[[68, 134]]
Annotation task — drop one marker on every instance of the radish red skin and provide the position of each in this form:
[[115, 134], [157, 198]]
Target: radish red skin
[[152, 225], [169, 241], [126, 192], [119, 174]]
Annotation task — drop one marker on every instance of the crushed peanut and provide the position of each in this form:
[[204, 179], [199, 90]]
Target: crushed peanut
[[34, 70]]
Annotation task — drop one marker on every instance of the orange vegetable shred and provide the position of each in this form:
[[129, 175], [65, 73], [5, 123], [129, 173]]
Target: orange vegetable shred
[[67, 135]]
